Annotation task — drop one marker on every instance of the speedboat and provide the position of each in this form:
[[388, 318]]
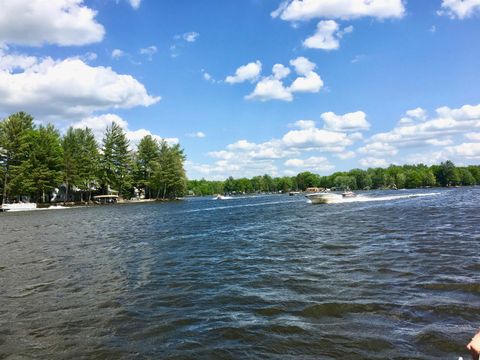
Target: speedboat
[[18, 207], [349, 194], [323, 197], [221, 197]]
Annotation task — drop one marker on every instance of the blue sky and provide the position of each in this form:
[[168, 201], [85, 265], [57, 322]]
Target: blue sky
[[254, 86]]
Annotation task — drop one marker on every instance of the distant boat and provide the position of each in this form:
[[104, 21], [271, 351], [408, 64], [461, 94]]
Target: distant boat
[[349, 194], [18, 207], [221, 197], [293, 193]]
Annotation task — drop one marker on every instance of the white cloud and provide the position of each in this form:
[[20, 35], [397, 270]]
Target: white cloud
[[466, 150], [448, 122], [67, 89], [302, 65], [310, 83], [305, 124], [191, 36], [198, 134], [313, 163], [373, 162], [327, 36], [297, 10], [459, 9], [148, 51], [242, 145], [270, 89], [313, 138], [98, 125], [378, 149], [280, 71], [249, 72], [38, 22], [417, 113], [475, 136], [273, 88], [11, 62], [354, 121], [117, 54], [135, 3]]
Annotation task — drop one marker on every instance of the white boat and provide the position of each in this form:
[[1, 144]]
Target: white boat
[[221, 197], [323, 197], [18, 207], [349, 194]]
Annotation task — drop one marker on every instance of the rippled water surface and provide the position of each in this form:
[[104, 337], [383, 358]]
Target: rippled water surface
[[385, 275]]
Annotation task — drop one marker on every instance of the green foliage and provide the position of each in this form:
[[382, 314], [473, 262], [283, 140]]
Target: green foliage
[[393, 177], [36, 160], [15, 134], [116, 162]]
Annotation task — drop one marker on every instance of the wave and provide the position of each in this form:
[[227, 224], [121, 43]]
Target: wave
[[367, 198]]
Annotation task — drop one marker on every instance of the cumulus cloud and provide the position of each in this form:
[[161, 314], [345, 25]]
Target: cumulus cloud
[[466, 150], [249, 72], [354, 121], [98, 125], [297, 10], [38, 22], [198, 134], [278, 155], [313, 138], [135, 3], [378, 149], [191, 36], [459, 9], [305, 124], [448, 122], [313, 163], [117, 54], [373, 162], [280, 71], [273, 88], [327, 36], [270, 89], [66, 89]]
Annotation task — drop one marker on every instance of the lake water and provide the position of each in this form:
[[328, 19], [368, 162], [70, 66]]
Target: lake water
[[385, 275]]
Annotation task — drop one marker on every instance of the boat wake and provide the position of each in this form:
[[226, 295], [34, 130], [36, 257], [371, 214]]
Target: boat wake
[[367, 198]]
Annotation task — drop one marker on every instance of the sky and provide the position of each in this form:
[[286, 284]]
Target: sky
[[252, 87]]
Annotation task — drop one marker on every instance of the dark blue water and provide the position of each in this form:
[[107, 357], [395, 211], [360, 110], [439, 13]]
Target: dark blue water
[[386, 275]]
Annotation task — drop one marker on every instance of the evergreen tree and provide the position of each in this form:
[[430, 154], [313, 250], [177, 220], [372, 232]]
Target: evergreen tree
[[116, 161], [45, 161], [15, 132], [146, 158]]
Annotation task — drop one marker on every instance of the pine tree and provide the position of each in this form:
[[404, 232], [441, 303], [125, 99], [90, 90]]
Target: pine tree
[[45, 157], [116, 160], [146, 156], [15, 131]]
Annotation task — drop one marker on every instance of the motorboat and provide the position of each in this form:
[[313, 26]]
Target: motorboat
[[221, 197], [349, 194], [323, 197], [18, 207]]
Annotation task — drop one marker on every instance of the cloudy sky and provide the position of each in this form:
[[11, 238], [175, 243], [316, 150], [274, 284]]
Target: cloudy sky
[[254, 86]]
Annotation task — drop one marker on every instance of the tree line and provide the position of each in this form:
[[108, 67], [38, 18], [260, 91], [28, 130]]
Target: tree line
[[35, 160], [393, 177]]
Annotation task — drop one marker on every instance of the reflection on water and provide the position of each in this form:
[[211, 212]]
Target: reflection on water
[[385, 275]]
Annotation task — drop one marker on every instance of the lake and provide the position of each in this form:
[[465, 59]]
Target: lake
[[389, 274]]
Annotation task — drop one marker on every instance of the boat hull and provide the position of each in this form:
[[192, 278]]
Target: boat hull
[[322, 198], [18, 207]]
